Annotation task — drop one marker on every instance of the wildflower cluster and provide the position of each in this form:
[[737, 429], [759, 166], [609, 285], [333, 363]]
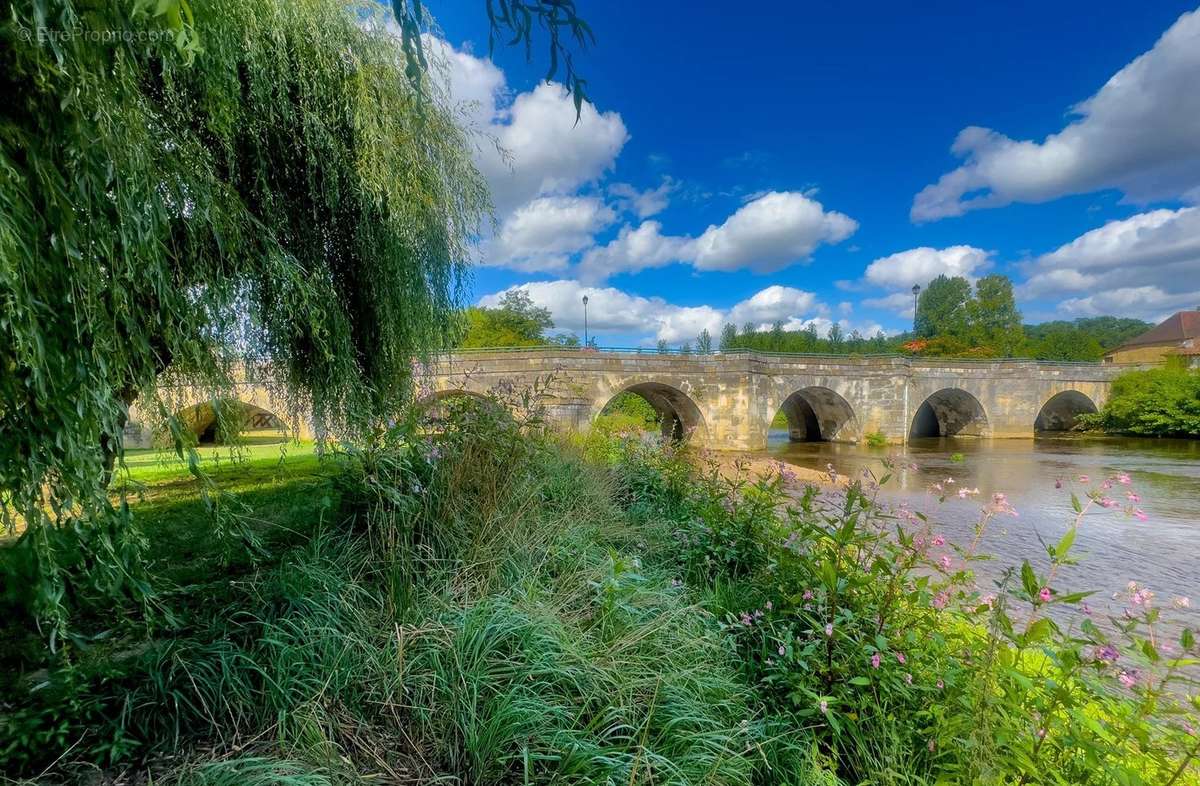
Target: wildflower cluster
[[862, 620]]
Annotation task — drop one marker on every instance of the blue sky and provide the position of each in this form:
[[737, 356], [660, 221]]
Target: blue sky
[[810, 161]]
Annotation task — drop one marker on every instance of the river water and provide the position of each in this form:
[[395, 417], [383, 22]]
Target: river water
[[1114, 548]]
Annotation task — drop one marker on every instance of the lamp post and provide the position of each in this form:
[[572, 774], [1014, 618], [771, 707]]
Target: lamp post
[[916, 290], [585, 330]]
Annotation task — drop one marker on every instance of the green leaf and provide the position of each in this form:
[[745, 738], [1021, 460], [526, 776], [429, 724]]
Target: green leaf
[[1187, 639], [1064, 543], [1029, 579]]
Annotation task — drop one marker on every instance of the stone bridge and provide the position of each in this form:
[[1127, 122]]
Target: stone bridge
[[727, 401]]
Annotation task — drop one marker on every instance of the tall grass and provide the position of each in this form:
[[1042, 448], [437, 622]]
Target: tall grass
[[477, 613]]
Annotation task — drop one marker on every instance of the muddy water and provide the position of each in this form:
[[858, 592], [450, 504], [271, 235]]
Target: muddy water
[[1113, 547]]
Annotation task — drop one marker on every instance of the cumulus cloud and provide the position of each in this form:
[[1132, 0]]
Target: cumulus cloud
[[1143, 265], [922, 265], [772, 304], [1140, 134], [1150, 303], [532, 146], [614, 311], [541, 235], [899, 271], [643, 204], [900, 303], [770, 233], [766, 234]]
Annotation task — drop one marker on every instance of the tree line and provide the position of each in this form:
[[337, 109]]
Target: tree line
[[953, 319]]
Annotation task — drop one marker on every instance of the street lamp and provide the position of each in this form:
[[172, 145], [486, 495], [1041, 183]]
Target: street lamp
[[585, 330], [916, 290]]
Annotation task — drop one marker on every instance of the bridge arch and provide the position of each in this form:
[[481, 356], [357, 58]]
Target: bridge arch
[[819, 414], [950, 412], [1061, 410], [219, 421], [679, 417]]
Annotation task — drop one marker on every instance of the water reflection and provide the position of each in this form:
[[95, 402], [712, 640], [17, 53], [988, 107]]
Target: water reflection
[[1113, 548]]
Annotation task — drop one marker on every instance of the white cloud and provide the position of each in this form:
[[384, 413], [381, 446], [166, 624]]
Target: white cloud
[[1143, 265], [632, 250], [541, 234], [614, 311], [1149, 302], [922, 265], [1140, 133], [901, 303], [547, 151], [543, 150], [646, 203], [764, 235], [773, 303], [770, 233]]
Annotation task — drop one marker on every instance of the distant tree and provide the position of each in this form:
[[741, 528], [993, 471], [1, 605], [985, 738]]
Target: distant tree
[[704, 342], [729, 336], [942, 307], [1064, 341], [748, 329], [686, 348], [662, 346], [776, 341], [835, 335], [515, 322], [993, 320]]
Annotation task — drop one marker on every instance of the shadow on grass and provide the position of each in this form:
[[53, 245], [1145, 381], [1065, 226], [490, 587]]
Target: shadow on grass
[[279, 500]]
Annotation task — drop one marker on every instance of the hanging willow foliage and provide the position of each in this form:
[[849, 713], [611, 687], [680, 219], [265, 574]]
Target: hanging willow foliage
[[176, 195]]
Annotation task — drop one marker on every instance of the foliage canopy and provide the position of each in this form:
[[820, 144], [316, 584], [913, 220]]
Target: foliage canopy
[[279, 190]]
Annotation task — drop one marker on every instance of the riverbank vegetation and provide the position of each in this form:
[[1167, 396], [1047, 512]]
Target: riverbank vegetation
[[1161, 402], [488, 603]]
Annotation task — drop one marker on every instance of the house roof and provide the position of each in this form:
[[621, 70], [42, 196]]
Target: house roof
[[1175, 329]]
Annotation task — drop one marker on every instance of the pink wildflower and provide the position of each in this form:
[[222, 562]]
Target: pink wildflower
[[900, 657], [1128, 679], [1084, 479], [1139, 515], [875, 659], [941, 599], [1044, 594], [829, 629], [1129, 495], [938, 540], [808, 594], [1123, 478], [1182, 602], [782, 649], [945, 562]]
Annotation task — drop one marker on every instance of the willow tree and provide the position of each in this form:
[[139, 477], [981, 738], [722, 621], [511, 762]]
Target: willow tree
[[265, 180]]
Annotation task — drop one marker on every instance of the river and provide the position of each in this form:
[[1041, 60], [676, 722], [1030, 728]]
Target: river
[[1114, 548]]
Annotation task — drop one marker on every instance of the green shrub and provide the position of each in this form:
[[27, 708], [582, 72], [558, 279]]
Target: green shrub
[[876, 439], [1162, 402]]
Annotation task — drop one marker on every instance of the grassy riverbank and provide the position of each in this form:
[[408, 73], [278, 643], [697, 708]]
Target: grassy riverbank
[[491, 605]]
